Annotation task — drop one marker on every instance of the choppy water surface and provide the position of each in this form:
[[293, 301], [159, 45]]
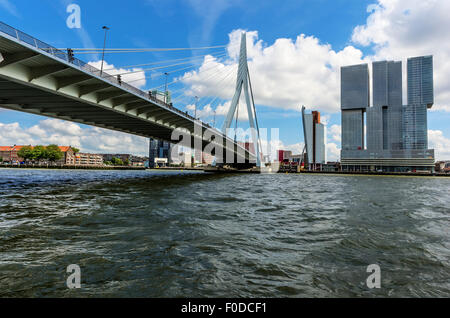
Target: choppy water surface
[[174, 234]]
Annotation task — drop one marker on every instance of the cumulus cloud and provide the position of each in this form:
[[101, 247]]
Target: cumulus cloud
[[440, 144], [334, 132], [406, 28], [286, 74], [333, 152], [63, 133], [220, 110], [135, 76]]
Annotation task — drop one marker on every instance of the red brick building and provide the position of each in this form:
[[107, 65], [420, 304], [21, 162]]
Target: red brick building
[[9, 154]]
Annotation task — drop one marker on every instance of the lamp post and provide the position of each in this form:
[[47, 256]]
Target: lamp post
[[165, 88], [195, 108], [104, 45]]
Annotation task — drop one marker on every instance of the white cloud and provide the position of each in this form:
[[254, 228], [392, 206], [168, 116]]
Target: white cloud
[[284, 75], [63, 133], [8, 6], [333, 152], [296, 149], [221, 110], [406, 28], [440, 144], [335, 133], [136, 76]]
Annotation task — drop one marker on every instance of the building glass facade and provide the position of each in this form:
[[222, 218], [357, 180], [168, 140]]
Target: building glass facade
[[315, 134], [352, 129], [420, 81], [415, 131], [158, 149], [355, 87], [396, 134]]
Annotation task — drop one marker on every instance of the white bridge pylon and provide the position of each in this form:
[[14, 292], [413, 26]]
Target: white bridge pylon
[[243, 81]]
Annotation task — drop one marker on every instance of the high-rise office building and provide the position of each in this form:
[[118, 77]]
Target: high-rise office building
[[396, 134], [384, 119], [420, 97], [355, 91], [158, 149], [415, 128], [355, 98], [420, 81], [387, 83], [315, 135]]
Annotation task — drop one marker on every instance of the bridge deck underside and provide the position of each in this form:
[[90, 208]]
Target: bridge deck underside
[[23, 98]]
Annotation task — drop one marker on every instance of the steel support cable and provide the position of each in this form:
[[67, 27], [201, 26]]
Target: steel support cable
[[145, 49], [182, 96], [109, 51], [219, 71], [166, 61], [189, 76], [232, 83], [164, 73], [214, 98], [160, 74], [155, 75], [207, 78], [132, 50], [161, 67]]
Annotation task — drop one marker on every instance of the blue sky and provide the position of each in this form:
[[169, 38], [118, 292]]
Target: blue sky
[[328, 27]]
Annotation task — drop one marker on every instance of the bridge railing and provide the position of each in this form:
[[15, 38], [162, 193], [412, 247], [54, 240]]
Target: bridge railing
[[62, 55]]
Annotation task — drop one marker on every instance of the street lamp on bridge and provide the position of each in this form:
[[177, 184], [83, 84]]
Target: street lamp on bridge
[[104, 45]]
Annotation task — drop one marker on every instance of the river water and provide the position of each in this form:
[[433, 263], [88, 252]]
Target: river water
[[190, 234]]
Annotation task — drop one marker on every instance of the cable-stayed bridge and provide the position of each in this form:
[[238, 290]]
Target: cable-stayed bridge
[[40, 79]]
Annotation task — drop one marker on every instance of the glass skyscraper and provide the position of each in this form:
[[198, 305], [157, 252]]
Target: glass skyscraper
[[355, 87], [420, 97], [384, 120], [355, 98], [396, 133], [387, 83], [420, 81], [158, 149]]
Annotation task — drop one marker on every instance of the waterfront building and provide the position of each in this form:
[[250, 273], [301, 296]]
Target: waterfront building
[[9, 154], [88, 159], [198, 155], [355, 98], [355, 90], [109, 157], [137, 161], [315, 136], [396, 133], [207, 158], [384, 118], [442, 166], [158, 150], [284, 155], [5, 153], [186, 159], [420, 98]]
